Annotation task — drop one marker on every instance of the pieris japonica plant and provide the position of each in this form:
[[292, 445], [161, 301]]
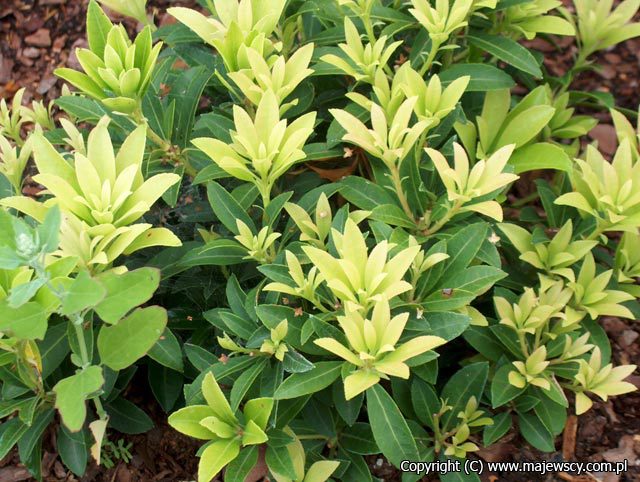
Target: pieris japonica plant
[[601, 26], [294, 225], [131, 8], [117, 71]]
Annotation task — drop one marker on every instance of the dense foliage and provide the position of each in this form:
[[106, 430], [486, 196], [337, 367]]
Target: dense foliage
[[294, 216]]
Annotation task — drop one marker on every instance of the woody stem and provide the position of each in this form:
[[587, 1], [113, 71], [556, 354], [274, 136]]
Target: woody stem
[[437, 226], [402, 197]]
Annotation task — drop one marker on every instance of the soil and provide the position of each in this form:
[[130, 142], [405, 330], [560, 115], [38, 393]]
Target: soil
[[37, 36]]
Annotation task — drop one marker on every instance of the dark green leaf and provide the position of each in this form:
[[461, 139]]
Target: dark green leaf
[[358, 439], [455, 476], [364, 194], [358, 470], [467, 382], [210, 173], [126, 417], [166, 385], [349, 410], [200, 358], [507, 50], [298, 384], [474, 279], [274, 208], [425, 401], [447, 325], [227, 209], [33, 435], [534, 432], [279, 460], [54, 348], [390, 429], [73, 449], [10, 432], [462, 247], [244, 382], [186, 91], [167, 351], [483, 77], [392, 215], [483, 341], [89, 110], [294, 362], [279, 438], [501, 425], [501, 390], [242, 465], [236, 297], [552, 415], [219, 252], [216, 126]]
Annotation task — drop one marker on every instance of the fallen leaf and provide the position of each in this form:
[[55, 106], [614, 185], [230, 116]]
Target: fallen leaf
[[335, 174], [605, 134], [14, 474], [40, 38], [625, 450]]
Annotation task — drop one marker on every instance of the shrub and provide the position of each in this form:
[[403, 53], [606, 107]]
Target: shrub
[[408, 307]]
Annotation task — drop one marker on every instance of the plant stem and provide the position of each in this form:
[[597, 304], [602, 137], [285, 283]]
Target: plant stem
[[447, 59], [320, 307], [580, 64], [264, 187], [461, 55], [523, 344], [536, 342], [526, 200], [402, 197], [102, 414], [164, 144], [430, 58], [84, 354], [420, 145], [368, 26], [446, 218], [139, 118], [581, 61], [156, 139]]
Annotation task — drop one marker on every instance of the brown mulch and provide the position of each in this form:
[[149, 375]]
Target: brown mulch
[[37, 36]]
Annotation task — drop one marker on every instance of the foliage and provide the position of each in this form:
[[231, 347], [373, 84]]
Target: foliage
[[304, 241]]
